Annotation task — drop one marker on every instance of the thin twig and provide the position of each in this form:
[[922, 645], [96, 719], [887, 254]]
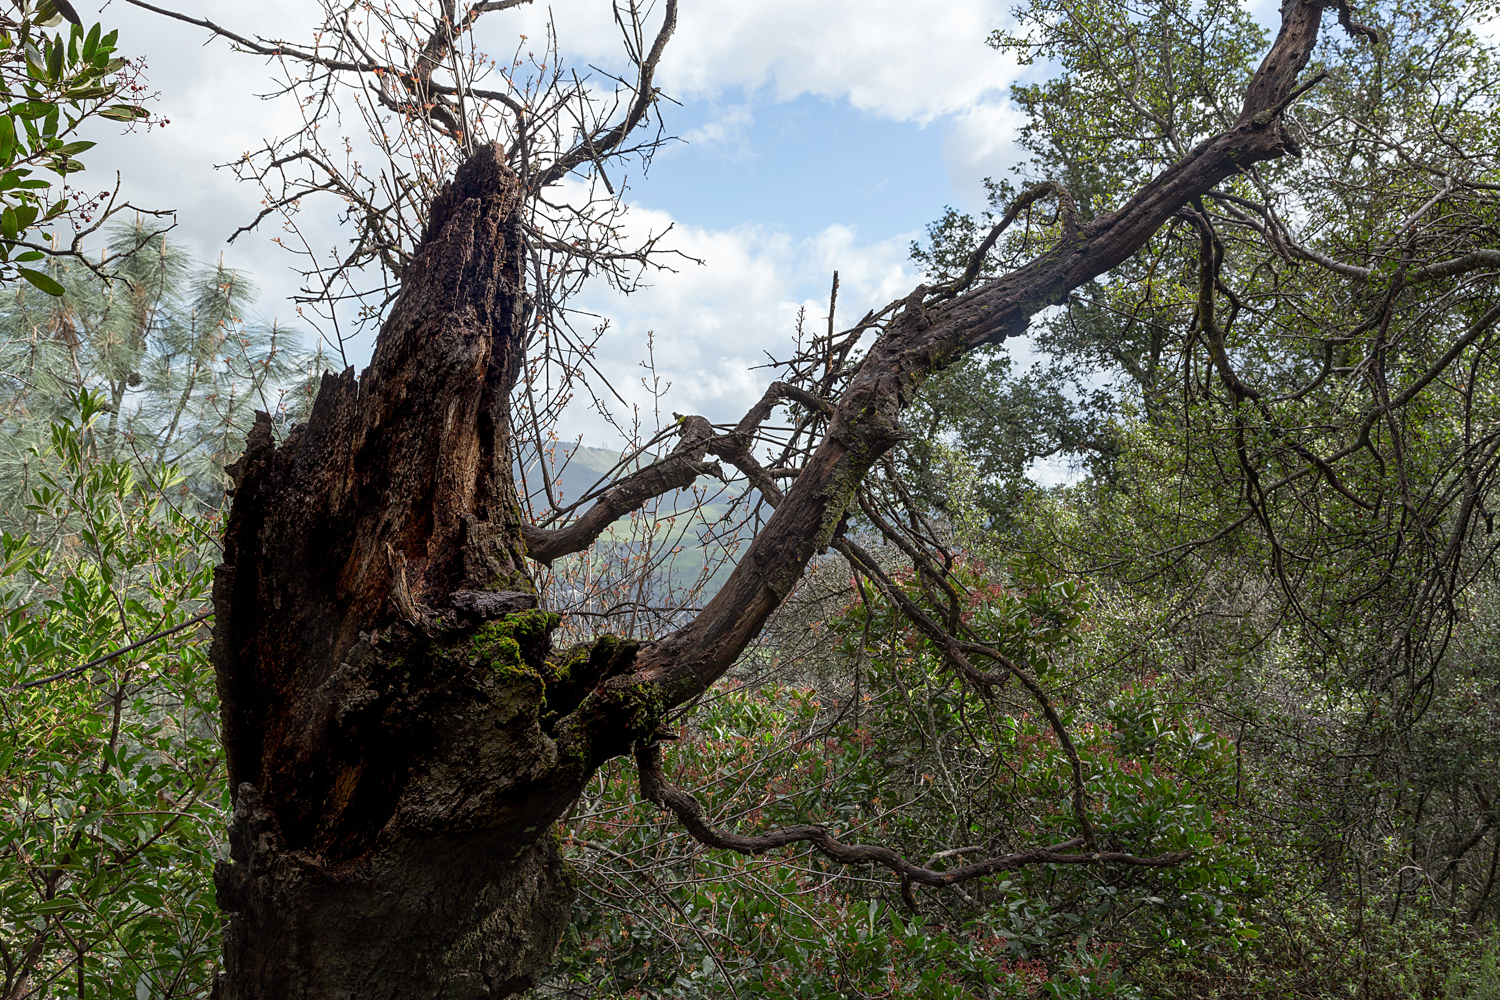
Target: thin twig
[[74, 671]]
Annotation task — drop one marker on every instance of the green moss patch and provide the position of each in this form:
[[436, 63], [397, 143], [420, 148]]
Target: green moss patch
[[516, 643]]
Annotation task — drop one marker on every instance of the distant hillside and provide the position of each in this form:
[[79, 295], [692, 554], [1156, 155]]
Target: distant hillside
[[577, 469]]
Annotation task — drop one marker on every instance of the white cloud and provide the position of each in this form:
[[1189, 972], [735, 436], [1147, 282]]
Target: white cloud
[[872, 274], [210, 97], [727, 131], [713, 323], [983, 144], [908, 60], [894, 58]]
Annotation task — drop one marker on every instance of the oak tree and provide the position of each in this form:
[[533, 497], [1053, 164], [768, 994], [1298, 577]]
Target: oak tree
[[401, 732], [1295, 376]]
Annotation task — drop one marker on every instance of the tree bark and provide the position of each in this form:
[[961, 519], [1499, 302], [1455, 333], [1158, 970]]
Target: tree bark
[[400, 736], [382, 677]]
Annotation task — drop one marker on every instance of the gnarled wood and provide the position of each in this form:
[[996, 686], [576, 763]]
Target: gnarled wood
[[393, 779], [399, 742]]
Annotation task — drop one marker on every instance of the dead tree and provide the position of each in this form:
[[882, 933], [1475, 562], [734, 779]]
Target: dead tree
[[401, 736]]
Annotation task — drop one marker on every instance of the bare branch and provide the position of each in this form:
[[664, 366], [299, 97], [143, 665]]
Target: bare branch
[[678, 471], [593, 146], [96, 661], [656, 788], [1065, 207]]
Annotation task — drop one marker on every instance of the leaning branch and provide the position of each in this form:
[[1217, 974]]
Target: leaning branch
[[923, 334]]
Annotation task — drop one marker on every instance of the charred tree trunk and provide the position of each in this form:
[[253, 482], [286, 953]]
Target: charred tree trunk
[[382, 671]]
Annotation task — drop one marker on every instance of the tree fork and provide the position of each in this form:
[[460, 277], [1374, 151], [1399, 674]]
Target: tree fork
[[398, 737]]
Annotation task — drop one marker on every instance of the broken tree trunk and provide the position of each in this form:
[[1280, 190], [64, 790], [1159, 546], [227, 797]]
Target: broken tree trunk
[[382, 675]]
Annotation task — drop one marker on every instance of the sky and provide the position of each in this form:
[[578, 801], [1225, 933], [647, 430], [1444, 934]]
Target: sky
[[817, 135]]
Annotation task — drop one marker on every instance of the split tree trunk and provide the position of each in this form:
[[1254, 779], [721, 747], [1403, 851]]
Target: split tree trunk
[[383, 683]]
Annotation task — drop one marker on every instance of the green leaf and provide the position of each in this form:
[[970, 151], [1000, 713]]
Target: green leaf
[[30, 255], [50, 13], [41, 281], [36, 63], [54, 57], [69, 14], [124, 112]]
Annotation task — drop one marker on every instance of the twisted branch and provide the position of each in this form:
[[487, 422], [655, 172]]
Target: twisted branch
[[656, 788]]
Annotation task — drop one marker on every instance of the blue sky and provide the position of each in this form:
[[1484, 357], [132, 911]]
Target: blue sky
[[820, 134], [801, 165]]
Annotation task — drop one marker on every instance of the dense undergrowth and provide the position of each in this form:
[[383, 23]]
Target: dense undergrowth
[[874, 739], [1304, 880]]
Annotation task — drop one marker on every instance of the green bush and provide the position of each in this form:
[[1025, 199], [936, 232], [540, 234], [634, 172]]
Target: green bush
[[112, 797]]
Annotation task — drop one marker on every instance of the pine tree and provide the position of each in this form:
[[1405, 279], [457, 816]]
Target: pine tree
[[167, 342]]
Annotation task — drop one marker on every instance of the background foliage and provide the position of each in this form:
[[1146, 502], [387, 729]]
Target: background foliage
[[52, 83], [123, 399], [113, 800]]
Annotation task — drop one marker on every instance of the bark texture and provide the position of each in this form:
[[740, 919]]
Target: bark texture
[[382, 679]]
